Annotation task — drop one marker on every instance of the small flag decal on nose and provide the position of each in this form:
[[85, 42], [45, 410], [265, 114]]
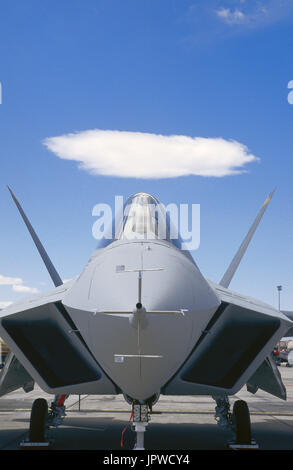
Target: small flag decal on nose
[[120, 268], [119, 359]]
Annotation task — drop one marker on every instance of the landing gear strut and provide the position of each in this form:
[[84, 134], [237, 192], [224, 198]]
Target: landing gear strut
[[57, 411], [140, 422], [223, 415]]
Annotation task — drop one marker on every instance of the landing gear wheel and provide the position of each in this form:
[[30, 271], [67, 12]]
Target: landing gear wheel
[[241, 420], [38, 421]]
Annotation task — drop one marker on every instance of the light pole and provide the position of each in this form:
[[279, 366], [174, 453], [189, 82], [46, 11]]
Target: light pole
[[279, 295]]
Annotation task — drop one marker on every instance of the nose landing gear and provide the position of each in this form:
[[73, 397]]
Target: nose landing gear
[[140, 422]]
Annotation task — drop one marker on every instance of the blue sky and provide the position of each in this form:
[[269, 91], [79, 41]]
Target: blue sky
[[204, 69]]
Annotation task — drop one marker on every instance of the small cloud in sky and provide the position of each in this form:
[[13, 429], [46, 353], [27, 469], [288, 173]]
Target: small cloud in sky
[[232, 17], [9, 281], [17, 284], [144, 155], [254, 13], [225, 19], [4, 304], [22, 288]]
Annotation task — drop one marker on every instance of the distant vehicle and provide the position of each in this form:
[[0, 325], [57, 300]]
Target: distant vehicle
[[285, 355], [276, 355]]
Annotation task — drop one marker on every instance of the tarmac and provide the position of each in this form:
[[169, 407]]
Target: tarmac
[[178, 422]]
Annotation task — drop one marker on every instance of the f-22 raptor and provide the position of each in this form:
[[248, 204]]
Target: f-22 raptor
[[141, 320]]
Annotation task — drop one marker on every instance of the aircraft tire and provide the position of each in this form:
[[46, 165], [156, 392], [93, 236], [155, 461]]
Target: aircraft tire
[[39, 415], [242, 424]]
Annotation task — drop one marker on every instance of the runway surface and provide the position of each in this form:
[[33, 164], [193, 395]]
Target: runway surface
[[185, 422]]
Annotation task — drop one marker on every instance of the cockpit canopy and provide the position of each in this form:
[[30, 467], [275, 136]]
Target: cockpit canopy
[[143, 218]]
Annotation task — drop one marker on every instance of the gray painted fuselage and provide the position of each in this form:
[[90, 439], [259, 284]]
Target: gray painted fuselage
[[141, 356]]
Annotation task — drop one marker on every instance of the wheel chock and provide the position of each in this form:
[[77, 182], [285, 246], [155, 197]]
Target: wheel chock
[[236, 446], [26, 445]]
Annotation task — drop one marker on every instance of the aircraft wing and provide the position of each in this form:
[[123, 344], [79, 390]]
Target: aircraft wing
[[48, 348], [233, 350]]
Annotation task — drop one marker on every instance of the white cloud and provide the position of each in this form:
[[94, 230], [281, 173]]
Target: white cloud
[[9, 281], [232, 17], [4, 304], [22, 288], [255, 13], [144, 155], [17, 284]]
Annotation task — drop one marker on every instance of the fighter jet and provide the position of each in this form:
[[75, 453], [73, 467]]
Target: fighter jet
[[141, 320]]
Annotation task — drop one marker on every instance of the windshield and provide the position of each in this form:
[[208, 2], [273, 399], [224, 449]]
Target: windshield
[[142, 214], [144, 218]]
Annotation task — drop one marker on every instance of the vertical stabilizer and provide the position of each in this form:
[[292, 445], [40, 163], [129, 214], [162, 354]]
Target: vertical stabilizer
[[48, 263], [226, 279]]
